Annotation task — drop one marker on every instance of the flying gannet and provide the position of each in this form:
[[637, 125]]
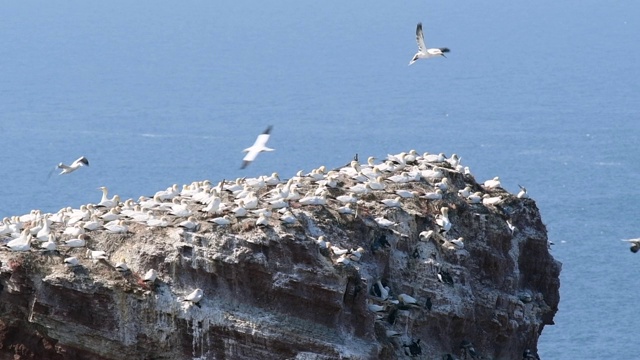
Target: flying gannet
[[67, 169], [423, 51], [258, 146]]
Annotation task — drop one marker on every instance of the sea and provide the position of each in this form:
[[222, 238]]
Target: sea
[[544, 94]]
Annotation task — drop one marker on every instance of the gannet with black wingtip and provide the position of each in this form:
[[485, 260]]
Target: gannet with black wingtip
[[194, 297], [635, 244], [71, 261], [68, 169], [423, 51], [258, 146], [150, 276], [122, 266], [522, 194]]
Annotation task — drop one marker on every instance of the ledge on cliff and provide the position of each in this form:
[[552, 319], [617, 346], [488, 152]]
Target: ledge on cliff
[[361, 262]]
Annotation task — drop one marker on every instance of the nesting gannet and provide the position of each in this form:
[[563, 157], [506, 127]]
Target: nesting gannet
[[458, 243], [492, 183], [22, 242], [190, 224], [258, 146], [375, 307], [355, 255], [407, 299], [50, 244], [426, 235], [475, 198], [522, 194], [346, 209], [67, 169], [313, 200], [635, 244], [225, 220], [71, 261], [161, 222], [443, 219], [488, 200], [381, 291], [288, 217], [397, 202], [350, 198], [105, 201], [80, 241], [384, 222], [116, 227], [122, 266], [443, 184], [465, 192], [406, 193], [262, 220], [194, 297], [150, 276], [432, 195], [96, 255]]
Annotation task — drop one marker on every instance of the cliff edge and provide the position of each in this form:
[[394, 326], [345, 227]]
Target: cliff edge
[[316, 267]]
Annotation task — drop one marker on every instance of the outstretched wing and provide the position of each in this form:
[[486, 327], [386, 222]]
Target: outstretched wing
[[420, 38]]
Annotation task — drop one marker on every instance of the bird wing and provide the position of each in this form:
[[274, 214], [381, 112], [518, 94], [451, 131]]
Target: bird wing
[[82, 161], [420, 38], [258, 146]]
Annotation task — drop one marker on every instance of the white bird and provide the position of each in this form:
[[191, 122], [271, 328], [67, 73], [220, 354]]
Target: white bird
[[493, 183], [384, 222], [67, 169], [407, 299], [397, 202], [443, 220], [71, 261], [225, 220], [122, 266], [96, 255], [22, 242], [458, 243], [426, 235], [80, 241], [150, 276], [117, 228], [259, 146], [489, 200], [288, 217], [194, 297], [522, 194], [475, 198], [381, 291], [423, 51], [50, 244], [262, 220]]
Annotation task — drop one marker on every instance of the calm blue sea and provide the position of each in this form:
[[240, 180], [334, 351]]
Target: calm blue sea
[[543, 94]]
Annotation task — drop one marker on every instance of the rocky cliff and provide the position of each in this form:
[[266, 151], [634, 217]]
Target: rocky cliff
[[317, 267]]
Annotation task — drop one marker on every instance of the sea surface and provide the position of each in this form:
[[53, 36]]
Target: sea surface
[[544, 94]]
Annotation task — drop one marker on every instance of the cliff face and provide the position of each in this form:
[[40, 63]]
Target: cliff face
[[279, 291]]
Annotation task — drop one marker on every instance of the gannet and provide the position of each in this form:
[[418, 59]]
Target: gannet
[[288, 217], [431, 158], [122, 266], [116, 228], [407, 300], [347, 198], [150, 276], [80, 162], [355, 255], [96, 255], [80, 241], [426, 235], [443, 184], [225, 220], [384, 222], [50, 244], [397, 202], [380, 291], [262, 220], [493, 183], [105, 201], [443, 219], [194, 297], [489, 200], [406, 193], [465, 192], [346, 209], [433, 195], [375, 308], [258, 146], [377, 184], [635, 244], [190, 224], [475, 198], [522, 194], [155, 222], [43, 233], [22, 242], [458, 243], [71, 261], [313, 200]]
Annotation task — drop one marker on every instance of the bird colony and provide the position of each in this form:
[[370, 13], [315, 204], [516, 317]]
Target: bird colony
[[372, 191]]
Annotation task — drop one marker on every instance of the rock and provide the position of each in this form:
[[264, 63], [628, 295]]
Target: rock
[[276, 291]]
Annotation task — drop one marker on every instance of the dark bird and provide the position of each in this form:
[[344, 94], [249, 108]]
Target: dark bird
[[635, 244]]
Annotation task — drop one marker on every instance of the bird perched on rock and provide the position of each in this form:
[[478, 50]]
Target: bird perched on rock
[[258, 146], [150, 276], [194, 297]]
